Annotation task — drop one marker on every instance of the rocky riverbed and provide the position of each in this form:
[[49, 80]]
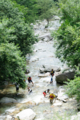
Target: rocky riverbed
[[35, 105]]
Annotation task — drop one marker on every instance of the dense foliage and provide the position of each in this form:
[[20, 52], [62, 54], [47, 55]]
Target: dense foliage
[[73, 88], [16, 40], [67, 41], [23, 35], [38, 9], [68, 34], [12, 65], [46, 9], [30, 11]]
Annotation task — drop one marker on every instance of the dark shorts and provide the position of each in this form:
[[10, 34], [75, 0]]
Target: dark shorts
[[29, 81], [17, 88], [52, 74]]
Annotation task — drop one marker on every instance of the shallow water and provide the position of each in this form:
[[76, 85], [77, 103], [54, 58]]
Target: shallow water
[[44, 52]]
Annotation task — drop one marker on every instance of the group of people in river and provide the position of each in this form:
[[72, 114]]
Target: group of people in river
[[46, 92]]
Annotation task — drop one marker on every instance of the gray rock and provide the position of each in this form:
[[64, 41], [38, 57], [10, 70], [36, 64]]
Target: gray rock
[[7, 100], [48, 69], [61, 78], [27, 71]]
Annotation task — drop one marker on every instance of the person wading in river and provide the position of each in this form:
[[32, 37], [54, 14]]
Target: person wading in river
[[29, 90], [44, 93], [51, 97], [52, 74], [30, 80]]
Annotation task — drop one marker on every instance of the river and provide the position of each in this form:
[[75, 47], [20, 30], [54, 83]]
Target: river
[[44, 55]]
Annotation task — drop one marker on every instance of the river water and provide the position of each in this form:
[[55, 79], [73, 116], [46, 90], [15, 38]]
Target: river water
[[44, 54]]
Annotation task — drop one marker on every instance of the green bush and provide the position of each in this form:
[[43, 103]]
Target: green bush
[[12, 65]]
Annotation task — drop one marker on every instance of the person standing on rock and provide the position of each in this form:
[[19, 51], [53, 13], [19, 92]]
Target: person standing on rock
[[30, 80], [51, 97]]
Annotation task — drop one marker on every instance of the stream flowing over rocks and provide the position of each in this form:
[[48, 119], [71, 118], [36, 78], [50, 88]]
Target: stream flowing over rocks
[[35, 106]]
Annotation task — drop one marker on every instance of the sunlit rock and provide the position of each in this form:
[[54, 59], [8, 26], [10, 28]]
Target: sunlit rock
[[57, 103], [44, 75], [8, 117], [46, 68], [27, 114]]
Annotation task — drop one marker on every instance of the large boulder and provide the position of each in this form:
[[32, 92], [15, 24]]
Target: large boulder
[[46, 68], [61, 78], [46, 35], [26, 114], [6, 100]]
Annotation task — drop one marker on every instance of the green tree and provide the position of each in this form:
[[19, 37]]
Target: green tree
[[12, 65], [67, 41], [67, 37], [23, 35], [73, 88], [31, 9], [46, 9]]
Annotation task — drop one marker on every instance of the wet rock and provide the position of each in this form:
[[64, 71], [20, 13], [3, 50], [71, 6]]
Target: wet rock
[[27, 71], [27, 114], [34, 59], [10, 110], [61, 78], [48, 69], [47, 35], [44, 75], [7, 100]]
